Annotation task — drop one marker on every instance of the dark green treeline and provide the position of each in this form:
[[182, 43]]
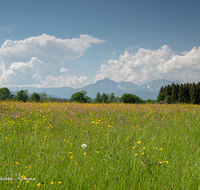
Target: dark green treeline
[[181, 93]]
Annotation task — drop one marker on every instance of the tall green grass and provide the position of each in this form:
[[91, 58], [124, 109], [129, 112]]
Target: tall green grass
[[129, 146]]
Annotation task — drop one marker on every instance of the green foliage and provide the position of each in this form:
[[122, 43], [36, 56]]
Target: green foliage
[[198, 92], [193, 95], [104, 98], [88, 99], [117, 99], [22, 95], [80, 97], [160, 97], [43, 97], [112, 98], [181, 93], [150, 101], [167, 91], [174, 93], [139, 100], [5, 93], [98, 98], [184, 93], [168, 99], [35, 97], [128, 98]]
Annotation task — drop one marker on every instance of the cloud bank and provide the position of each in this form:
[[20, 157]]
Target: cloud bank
[[38, 61], [147, 65], [34, 61]]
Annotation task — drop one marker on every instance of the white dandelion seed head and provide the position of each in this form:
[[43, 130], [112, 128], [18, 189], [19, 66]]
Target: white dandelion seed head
[[83, 145]]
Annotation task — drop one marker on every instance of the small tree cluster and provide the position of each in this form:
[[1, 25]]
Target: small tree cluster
[[105, 98], [128, 98], [5, 94], [125, 98], [35, 97], [22, 95], [80, 97]]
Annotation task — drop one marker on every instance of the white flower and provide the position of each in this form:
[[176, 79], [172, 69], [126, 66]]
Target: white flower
[[83, 145]]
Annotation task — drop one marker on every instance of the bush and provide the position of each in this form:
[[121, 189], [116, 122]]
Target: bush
[[168, 99]]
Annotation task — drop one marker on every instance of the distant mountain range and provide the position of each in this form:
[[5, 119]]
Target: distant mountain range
[[145, 91]]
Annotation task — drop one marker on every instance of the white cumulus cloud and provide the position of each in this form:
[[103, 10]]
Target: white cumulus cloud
[[31, 61], [147, 65], [64, 81], [63, 70]]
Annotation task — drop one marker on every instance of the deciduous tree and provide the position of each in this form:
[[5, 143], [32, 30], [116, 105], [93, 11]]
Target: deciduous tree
[[5, 93], [80, 97], [22, 95], [35, 97], [98, 98], [128, 98]]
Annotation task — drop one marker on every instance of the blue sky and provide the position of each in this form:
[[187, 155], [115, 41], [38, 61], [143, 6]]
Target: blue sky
[[74, 43]]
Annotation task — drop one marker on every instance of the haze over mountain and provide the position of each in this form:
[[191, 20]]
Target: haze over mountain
[[145, 91]]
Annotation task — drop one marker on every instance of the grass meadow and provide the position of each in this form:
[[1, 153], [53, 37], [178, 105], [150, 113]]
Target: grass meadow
[[129, 146]]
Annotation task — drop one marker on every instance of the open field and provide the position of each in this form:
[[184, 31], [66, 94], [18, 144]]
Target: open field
[[129, 146]]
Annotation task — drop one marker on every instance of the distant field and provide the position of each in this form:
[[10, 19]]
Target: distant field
[[129, 146]]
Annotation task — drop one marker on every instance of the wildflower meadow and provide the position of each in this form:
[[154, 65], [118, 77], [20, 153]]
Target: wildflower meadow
[[99, 146]]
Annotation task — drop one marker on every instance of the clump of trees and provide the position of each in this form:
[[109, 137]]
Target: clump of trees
[[106, 98], [5, 94], [183, 93], [80, 97], [23, 95], [35, 97]]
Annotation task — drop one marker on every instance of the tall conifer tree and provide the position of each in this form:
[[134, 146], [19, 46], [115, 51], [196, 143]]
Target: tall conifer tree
[[174, 95], [181, 93], [193, 93]]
